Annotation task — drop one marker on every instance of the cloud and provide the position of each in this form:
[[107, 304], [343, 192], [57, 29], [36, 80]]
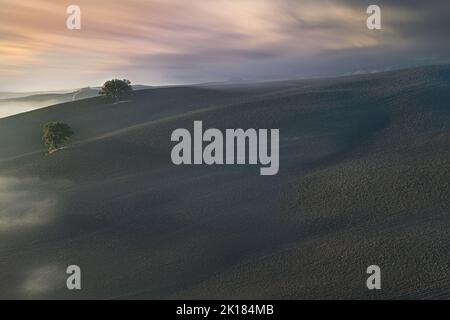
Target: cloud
[[175, 41]]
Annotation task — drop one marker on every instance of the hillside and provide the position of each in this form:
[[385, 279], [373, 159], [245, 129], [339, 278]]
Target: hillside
[[364, 179], [14, 103]]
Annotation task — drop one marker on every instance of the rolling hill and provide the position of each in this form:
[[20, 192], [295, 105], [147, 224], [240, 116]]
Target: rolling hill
[[12, 103], [364, 179]]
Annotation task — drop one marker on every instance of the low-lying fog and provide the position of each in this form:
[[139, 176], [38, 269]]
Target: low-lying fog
[[11, 107], [24, 202]]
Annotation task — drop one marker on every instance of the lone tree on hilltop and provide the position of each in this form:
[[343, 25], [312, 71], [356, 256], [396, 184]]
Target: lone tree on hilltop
[[55, 133], [116, 89]]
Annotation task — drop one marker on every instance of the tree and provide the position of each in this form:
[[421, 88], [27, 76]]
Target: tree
[[116, 89], [55, 133]]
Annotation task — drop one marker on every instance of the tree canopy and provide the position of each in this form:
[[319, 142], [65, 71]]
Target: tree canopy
[[116, 89], [55, 133]]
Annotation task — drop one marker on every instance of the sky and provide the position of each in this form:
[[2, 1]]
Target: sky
[[158, 42]]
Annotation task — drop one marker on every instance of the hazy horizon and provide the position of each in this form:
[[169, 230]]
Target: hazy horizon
[[63, 90]]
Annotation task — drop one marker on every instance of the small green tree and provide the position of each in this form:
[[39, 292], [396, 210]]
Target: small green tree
[[116, 89], [55, 133]]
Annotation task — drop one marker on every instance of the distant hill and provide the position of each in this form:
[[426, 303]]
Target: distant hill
[[20, 103], [364, 179], [12, 95], [14, 103]]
